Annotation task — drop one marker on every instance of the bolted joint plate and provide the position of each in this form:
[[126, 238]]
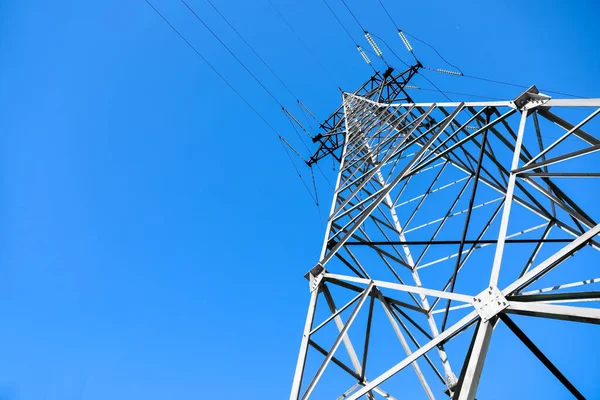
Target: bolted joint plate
[[529, 99], [490, 303], [315, 276]]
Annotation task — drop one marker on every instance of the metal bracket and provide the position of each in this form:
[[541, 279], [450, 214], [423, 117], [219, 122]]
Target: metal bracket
[[531, 98], [315, 276], [490, 303]]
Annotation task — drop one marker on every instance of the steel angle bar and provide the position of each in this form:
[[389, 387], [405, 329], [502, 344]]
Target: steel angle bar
[[571, 297], [362, 273], [404, 288], [580, 133], [561, 175], [377, 201], [347, 392], [424, 163], [571, 231], [336, 343], [367, 338], [335, 360], [563, 286], [454, 134], [577, 214], [390, 300], [506, 103], [397, 309], [449, 333], [477, 356], [297, 383], [416, 343], [524, 154], [350, 372], [552, 261], [422, 200], [406, 347], [441, 310], [568, 313], [433, 191], [464, 128], [572, 103], [380, 251], [441, 225], [346, 339], [507, 204], [335, 197], [470, 251], [482, 242], [376, 168], [539, 211], [541, 356], [355, 206], [480, 205], [450, 377], [336, 313], [372, 136], [536, 249], [540, 141], [467, 221], [454, 392], [564, 157]]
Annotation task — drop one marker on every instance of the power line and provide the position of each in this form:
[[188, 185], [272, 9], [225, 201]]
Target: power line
[[360, 49], [281, 139], [437, 88], [303, 43], [252, 49], [445, 92], [191, 46], [391, 50], [520, 86], [353, 16], [457, 68], [232, 53], [460, 72], [340, 22], [434, 49]]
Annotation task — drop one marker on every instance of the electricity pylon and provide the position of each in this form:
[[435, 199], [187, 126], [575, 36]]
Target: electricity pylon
[[444, 218]]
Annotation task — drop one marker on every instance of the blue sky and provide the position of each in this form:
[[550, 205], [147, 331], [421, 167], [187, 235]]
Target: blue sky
[[154, 233]]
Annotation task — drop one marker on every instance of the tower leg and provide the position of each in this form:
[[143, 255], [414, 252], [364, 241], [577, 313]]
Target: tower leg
[[310, 315]]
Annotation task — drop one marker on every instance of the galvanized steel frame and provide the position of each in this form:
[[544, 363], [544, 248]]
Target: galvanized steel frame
[[383, 145]]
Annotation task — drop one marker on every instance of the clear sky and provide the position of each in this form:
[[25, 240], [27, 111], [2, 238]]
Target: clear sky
[[154, 234]]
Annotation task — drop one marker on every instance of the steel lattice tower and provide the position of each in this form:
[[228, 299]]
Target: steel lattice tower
[[443, 217]]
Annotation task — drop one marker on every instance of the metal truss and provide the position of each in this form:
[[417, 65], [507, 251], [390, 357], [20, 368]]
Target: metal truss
[[384, 87], [444, 218]]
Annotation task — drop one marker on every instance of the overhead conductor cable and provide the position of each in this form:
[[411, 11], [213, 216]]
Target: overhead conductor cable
[[282, 140]]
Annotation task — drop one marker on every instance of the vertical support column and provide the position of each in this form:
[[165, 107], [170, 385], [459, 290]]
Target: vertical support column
[[450, 377], [485, 329], [405, 346], [310, 315], [508, 202], [339, 179], [470, 380]]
